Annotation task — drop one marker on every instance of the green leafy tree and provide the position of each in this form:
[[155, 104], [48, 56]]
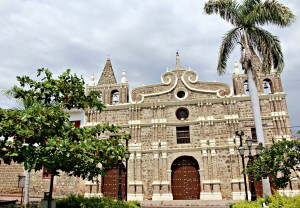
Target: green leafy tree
[[281, 161], [259, 48], [40, 135]]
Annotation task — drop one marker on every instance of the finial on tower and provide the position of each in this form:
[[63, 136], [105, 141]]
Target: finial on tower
[[177, 60], [123, 79], [236, 68], [92, 82]]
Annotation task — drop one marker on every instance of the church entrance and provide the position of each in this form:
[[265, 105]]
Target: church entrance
[[185, 179], [110, 182]]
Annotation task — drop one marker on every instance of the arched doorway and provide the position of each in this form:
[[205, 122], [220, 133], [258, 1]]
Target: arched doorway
[[110, 182], [185, 179]]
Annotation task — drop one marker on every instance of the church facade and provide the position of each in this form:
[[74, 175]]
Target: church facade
[[183, 137], [183, 132]]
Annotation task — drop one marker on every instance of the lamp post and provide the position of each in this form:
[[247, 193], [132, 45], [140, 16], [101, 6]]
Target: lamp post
[[241, 150], [120, 180], [120, 164], [127, 156], [250, 156]]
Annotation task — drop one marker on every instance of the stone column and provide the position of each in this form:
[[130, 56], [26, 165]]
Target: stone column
[[165, 182], [135, 184], [156, 180]]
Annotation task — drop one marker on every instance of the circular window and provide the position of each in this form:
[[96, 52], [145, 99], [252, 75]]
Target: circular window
[[180, 94], [182, 114]]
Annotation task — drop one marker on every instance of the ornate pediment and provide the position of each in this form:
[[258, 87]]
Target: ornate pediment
[[180, 84]]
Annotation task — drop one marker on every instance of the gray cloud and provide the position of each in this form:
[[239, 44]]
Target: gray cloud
[[139, 36]]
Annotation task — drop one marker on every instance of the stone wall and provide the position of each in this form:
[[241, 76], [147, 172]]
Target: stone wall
[[9, 178]]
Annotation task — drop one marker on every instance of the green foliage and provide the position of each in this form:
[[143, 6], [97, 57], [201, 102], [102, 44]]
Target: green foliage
[[247, 17], [275, 201], [40, 134], [79, 201], [278, 201], [279, 161], [247, 204]]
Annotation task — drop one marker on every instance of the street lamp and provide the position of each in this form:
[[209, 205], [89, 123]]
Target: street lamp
[[120, 164], [120, 180], [127, 156], [241, 150], [250, 156]]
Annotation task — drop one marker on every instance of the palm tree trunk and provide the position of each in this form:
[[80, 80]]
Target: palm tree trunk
[[258, 123], [26, 188]]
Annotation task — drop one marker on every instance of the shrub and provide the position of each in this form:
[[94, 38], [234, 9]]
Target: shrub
[[79, 201], [246, 204], [275, 201], [278, 201]]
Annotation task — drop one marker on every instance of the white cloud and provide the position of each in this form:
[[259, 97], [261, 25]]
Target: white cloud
[[139, 36]]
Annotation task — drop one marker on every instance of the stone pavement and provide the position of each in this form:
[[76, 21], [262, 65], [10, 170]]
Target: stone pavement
[[187, 203]]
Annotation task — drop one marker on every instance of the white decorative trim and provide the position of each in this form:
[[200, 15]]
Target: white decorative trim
[[162, 197], [212, 144], [93, 195], [217, 92], [234, 118], [280, 115], [239, 195], [210, 196], [161, 120], [211, 182], [290, 193], [134, 122], [231, 146], [131, 197], [204, 147], [165, 83], [181, 89]]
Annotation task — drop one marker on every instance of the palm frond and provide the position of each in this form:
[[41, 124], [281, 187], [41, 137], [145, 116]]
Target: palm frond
[[229, 41], [267, 47], [272, 12], [19, 102], [249, 5], [227, 9]]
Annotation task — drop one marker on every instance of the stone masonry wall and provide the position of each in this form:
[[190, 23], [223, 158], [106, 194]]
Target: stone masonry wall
[[9, 178]]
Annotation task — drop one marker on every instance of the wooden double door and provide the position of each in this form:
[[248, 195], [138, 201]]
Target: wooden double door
[[110, 182], [185, 179]]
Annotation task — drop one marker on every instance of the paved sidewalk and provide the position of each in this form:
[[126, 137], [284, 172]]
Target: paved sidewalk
[[187, 203]]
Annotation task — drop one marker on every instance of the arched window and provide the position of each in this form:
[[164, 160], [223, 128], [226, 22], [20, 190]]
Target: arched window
[[246, 87], [267, 86], [115, 97]]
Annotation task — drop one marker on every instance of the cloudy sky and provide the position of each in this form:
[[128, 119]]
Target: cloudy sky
[[141, 37]]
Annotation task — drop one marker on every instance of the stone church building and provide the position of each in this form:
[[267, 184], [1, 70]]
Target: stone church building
[[183, 142], [183, 135]]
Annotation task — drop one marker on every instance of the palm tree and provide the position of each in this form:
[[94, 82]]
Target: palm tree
[[256, 43]]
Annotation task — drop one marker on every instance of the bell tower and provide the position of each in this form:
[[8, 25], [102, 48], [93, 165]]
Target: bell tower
[[112, 93], [265, 83]]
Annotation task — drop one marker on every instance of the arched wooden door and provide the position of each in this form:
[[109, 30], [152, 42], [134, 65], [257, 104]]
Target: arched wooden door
[[185, 179], [110, 182]]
